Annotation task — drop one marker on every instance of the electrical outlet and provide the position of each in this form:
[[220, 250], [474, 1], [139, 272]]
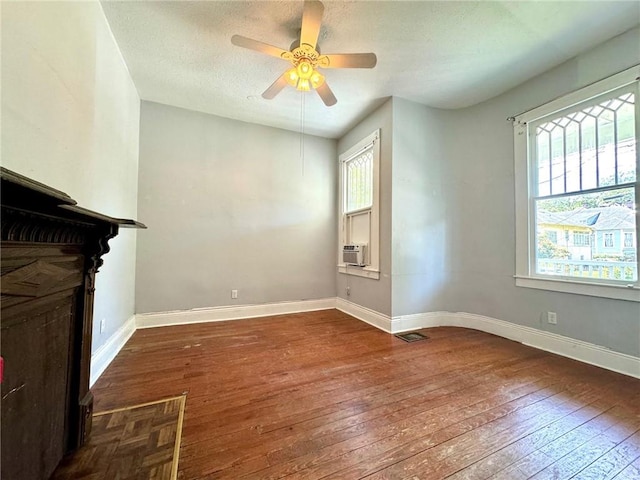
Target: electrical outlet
[[234, 293], [103, 324], [552, 318], [348, 291]]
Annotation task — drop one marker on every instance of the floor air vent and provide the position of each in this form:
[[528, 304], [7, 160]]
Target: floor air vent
[[411, 336]]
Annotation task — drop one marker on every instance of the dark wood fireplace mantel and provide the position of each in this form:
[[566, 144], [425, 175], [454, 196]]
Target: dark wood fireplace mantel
[[50, 252]]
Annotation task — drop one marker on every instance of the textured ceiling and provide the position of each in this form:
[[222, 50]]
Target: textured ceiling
[[445, 54]]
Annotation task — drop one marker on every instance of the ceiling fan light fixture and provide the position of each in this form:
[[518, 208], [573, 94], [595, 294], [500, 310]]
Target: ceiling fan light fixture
[[292, 77], [305, 69], [317, 79], [303, 85], [309, 79]]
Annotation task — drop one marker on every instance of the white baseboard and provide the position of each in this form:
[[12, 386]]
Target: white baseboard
[[376, 319], [405, 323], [219, 314], [104, 355], [551, 342]]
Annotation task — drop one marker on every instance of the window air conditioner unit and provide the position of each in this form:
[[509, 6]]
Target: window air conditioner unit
[[353, 254]]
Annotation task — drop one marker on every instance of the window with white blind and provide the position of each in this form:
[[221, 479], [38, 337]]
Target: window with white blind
[[577, 172], [359, 204]]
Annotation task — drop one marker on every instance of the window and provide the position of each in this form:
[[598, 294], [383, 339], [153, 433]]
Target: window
[[359, 204], [359, 181], [576, 172], [581, 239], [608, 240], [628, 240]]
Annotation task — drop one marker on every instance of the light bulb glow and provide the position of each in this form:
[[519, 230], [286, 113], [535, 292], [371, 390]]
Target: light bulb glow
[[305, 70], [303, 85], [292, 77], [317, 79], [303, 76]]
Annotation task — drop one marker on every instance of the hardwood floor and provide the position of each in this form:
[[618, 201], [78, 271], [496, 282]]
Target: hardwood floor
[[323, 395]]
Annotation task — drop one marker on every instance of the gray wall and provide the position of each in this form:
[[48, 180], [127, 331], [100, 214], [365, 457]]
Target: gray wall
[[70, 116], [482, 232], [373, 294], [423, 190], [231, 205], [448, 211], [416, 188]]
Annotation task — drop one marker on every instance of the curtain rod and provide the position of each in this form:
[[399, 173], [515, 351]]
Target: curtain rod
[[513, 117]]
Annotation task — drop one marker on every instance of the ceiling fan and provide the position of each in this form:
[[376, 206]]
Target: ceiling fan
[[305, 57]]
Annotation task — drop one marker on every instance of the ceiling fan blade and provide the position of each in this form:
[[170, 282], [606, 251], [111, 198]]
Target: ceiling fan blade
[[261, 47], [348, 60], [276, 87], [326, 94], [311, 20]]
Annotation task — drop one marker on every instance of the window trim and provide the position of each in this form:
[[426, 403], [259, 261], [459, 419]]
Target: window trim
[[524, 275], [372, 270]]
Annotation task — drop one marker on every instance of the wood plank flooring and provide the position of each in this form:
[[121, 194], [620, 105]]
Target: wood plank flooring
[[322, 395]]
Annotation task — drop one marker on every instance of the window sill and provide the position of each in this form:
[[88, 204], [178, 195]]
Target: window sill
[[366, 272], [617, 292]]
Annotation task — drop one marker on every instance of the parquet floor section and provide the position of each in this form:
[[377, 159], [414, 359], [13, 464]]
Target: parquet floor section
[[322, 395], [139, 442]]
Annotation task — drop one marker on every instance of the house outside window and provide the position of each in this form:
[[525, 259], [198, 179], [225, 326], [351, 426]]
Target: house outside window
[[576, 171]]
